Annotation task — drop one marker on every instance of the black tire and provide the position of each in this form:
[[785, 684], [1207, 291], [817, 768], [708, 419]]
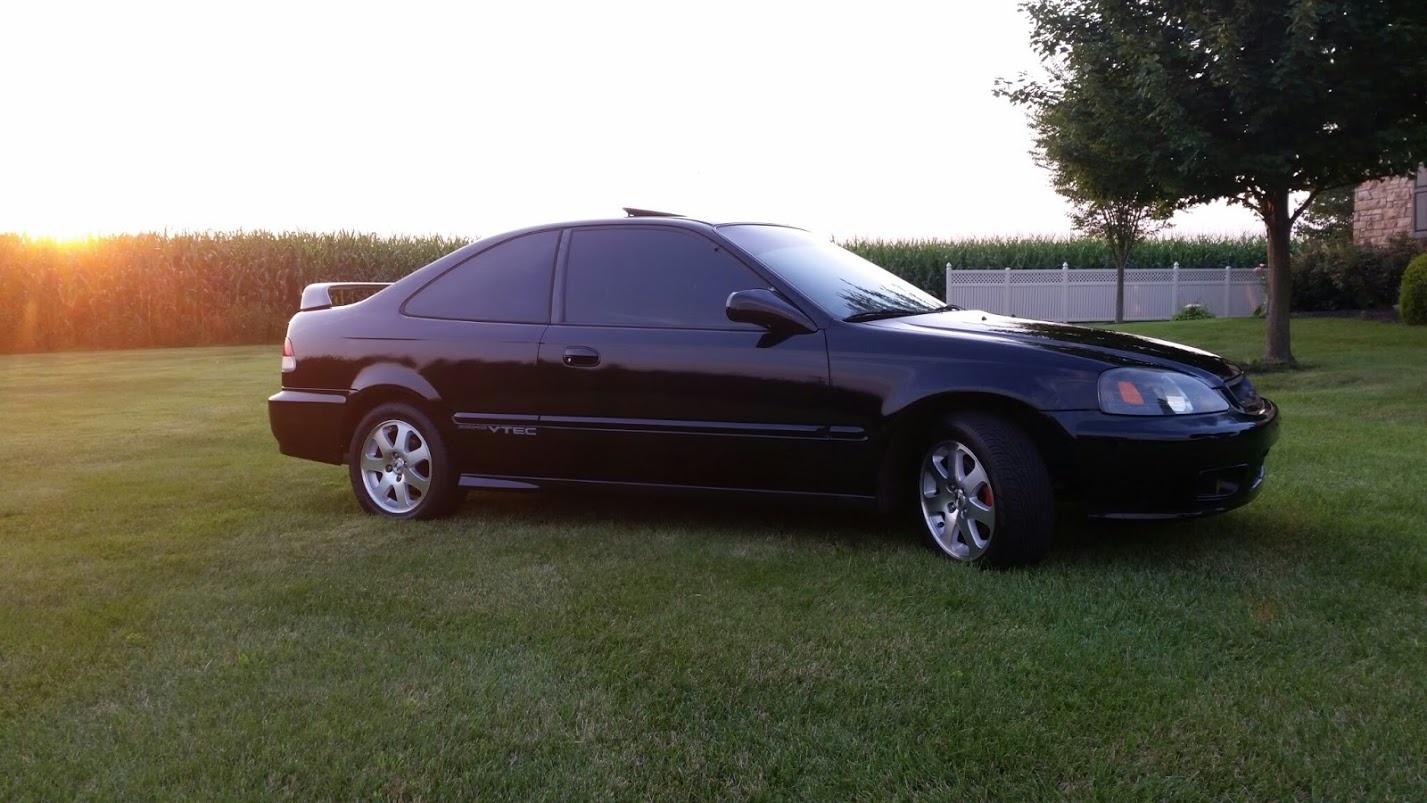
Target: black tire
[[984, 495], [383, 480]]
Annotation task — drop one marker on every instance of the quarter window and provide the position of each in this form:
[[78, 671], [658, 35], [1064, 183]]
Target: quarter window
[[631, 276], [506, 283]]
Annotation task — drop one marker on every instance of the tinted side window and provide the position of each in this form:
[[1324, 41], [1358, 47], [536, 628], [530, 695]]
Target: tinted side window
[[651, 277], [509, 283]]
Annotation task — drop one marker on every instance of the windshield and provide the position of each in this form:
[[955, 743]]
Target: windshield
[[841, 282]]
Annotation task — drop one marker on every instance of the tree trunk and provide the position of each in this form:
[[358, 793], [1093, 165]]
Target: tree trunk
[[1120, 291], [1122, 242], [1279, 222]]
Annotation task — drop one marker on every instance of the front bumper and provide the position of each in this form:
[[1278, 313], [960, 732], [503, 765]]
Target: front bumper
[[1171, 466], [308, 424]]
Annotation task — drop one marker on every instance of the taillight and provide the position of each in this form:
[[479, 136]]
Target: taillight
[[289, 359]]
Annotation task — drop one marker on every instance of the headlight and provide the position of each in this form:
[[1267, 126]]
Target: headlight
[[1156, 391]]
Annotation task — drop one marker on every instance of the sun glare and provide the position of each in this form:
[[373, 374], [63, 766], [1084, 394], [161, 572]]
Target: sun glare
[[59, 236]]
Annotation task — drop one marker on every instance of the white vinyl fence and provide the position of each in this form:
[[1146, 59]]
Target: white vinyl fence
[[1153, 294]]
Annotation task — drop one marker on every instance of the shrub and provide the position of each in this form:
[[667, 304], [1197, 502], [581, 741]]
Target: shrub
[[1412, 299], [1193, 312], [1341, 275]]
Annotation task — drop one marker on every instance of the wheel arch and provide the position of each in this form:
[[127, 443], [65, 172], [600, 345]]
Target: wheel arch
[[907, 428], [381, 384]]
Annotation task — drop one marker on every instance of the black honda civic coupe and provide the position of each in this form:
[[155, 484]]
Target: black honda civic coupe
[[657, 351]]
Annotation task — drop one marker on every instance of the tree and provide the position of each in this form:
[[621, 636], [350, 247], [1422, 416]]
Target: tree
[[1247, 101], [1330, 218], [1114, 195], [1123, 225]]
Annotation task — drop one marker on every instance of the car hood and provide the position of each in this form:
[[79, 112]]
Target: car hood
[[1103, 344]]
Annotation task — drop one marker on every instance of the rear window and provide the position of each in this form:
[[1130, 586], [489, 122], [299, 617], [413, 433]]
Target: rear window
[[506, 283]]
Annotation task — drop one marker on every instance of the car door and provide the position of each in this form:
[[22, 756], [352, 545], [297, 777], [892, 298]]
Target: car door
[[651, 383], [479, 325]]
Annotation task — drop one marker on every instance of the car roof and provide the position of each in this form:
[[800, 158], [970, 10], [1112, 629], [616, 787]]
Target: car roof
[[641, 217]]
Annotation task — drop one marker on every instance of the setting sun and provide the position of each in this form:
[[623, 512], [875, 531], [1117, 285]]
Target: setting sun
[[59, 237]]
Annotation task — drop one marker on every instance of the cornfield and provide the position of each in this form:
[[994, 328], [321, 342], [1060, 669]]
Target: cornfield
[[148, 290]]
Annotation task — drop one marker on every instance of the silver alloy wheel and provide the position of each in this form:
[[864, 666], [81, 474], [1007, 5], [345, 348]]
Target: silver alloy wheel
[[957, 500], [396, 466]]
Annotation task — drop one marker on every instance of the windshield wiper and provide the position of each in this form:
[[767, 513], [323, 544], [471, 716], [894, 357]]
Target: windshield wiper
[[877, 315]]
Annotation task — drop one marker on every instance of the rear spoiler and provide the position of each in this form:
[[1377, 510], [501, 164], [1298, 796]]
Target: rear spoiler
[[319, 296]]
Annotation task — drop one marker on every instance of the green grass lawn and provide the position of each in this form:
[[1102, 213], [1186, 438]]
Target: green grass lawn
[[184, 613]]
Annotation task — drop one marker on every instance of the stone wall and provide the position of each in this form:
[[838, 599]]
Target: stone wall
[[1382, 210]]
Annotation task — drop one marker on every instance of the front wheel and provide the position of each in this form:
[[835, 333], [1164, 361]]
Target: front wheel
[[399, 465], [985, 494]]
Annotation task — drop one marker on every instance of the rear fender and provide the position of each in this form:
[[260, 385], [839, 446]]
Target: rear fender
[[389, 382], [388, 374]]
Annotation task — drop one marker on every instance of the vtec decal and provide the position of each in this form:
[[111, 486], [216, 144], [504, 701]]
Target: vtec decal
[[506, 429]]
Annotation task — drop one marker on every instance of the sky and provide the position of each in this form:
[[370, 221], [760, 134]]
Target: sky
[[467, 119]]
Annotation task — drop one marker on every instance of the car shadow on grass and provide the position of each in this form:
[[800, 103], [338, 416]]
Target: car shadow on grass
[[1084, 542], [848, 524], [1078, 541]]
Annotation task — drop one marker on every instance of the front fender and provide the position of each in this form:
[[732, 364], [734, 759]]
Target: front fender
[[1043, 384], [894, 369]]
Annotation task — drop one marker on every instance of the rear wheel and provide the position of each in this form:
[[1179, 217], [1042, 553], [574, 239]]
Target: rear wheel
[[399, 466], [985, 494]]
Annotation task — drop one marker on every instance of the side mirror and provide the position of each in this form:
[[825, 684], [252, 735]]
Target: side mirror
[[767, 309]]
